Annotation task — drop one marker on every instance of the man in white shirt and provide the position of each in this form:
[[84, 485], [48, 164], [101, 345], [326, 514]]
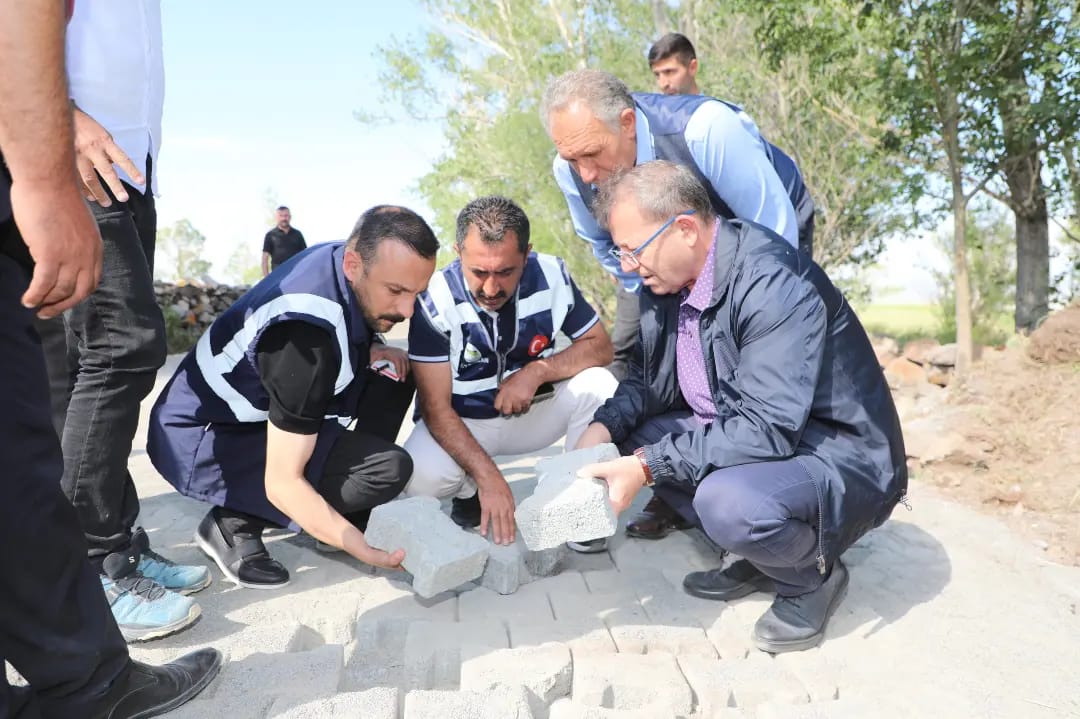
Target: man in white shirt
[[104, 354]]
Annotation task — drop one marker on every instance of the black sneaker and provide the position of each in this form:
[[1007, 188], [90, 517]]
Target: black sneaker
[[466, 512], [242, 559], [144, 691]]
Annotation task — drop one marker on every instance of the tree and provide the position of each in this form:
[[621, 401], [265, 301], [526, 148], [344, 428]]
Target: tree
[[181, 245], [243, 266], [481, 75]]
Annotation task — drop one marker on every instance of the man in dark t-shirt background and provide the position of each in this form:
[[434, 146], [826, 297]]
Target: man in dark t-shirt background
[[282, 242]]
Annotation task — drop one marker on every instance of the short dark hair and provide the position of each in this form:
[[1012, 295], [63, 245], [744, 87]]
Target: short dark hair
[[673, 43], [391, 222], [493, 216], [282, 207]]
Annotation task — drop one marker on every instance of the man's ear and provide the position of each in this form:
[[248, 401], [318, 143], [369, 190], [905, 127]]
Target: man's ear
[[688, 228], [628, 121], [352, 265], [692, 66]]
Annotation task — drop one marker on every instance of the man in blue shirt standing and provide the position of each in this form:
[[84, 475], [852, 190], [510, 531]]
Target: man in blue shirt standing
[[489, 379], [599, 127]]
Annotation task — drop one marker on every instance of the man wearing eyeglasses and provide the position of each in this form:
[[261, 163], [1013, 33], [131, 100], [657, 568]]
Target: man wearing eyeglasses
[[489, 380], [759, 411], [598, 126]]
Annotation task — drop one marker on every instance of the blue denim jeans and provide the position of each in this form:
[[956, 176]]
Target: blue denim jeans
[[103, 357]]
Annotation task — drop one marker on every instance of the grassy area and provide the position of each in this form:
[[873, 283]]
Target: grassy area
[[903, 322]]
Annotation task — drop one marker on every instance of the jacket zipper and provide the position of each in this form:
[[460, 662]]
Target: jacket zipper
[[821, 566]]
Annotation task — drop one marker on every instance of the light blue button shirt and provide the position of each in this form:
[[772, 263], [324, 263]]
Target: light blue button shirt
[[727, 147]]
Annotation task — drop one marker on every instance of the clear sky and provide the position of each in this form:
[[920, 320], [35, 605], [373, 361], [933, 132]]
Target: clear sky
[[261, 95]]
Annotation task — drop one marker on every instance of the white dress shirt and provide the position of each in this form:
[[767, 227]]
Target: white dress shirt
[[117, 75]]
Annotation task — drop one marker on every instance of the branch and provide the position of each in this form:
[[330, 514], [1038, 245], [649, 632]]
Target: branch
[[1065, 229], [462, 28]]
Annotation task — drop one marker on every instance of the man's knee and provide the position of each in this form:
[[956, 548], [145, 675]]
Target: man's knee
[[594, 385], [433, 473], [719, 507]]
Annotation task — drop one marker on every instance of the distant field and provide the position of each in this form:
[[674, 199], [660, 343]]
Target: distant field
[[900, 321]]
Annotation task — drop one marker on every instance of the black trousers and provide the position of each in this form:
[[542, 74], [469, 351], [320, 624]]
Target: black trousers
[[364, 468], [56, 628], [103, 356]]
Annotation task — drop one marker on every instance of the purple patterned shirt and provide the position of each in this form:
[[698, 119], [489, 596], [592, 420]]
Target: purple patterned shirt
[[689, 355]]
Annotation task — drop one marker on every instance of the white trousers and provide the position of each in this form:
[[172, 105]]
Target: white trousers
[[568, 412]]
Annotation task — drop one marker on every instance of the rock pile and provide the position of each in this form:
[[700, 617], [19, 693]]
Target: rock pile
[[197, 304]]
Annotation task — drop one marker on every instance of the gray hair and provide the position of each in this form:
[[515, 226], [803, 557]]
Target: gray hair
[[659, 189], [605, 95]]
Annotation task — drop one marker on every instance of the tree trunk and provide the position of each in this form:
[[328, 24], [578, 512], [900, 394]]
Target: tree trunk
[[950, 133], [1023, 173]]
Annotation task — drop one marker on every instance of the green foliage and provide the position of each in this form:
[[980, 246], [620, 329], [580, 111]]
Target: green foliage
[[243, 266], [179, 335], [992, 265], [180, 253]]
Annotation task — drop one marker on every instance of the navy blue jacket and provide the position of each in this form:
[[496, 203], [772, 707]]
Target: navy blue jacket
[[793, 375]]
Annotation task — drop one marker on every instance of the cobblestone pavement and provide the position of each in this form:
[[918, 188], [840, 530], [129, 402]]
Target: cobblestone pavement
[[947, 615]]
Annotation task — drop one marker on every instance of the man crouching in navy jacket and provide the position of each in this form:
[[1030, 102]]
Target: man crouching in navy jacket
[[755, 406]]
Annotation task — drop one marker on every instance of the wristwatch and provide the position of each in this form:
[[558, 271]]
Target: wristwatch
[[640, 454]]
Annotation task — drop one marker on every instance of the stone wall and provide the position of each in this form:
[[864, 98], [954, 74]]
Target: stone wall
[[196, 304]]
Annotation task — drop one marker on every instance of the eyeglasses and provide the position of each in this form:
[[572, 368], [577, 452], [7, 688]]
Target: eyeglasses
[[630, 257]]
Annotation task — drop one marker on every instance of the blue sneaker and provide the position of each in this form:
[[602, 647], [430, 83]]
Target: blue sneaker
[[174, 577], [144, 609]]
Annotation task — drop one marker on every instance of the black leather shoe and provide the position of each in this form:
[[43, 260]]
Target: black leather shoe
[[739, 580], [242, 559], [466, 512], [656, 521], [147, 691], [795, 623]]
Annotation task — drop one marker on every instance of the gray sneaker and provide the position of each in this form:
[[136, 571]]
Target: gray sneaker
[[592, 546]]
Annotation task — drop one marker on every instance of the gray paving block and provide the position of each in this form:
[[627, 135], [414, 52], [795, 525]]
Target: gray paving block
[[650, 682], [584, 635], [482, 604], [502, 703], [434, 650], [744, 683], [567, 709], [378, 703], [545, 671], [646, 638], [565, 507], [438, 554], [511, 565]]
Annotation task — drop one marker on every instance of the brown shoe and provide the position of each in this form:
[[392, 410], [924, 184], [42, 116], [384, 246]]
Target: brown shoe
[[656, 521]]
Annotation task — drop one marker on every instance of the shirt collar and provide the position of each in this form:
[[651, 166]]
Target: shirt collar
[[699, 296]]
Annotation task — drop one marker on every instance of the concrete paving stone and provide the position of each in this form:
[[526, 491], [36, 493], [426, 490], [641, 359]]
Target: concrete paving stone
[[586, 563], [682, 550], [602, 605], [301, 675], [821, 673], [667, 603], [635, 638], [571, 462], [565, 507], [632, 681], [567, 709], [437, 553], [234, 706], [501, 703], [434, 650], [605, 579], [511, 565], [741, 683], [545, 671], [482, 604], [584, 635], [732, 641], [378, 703]]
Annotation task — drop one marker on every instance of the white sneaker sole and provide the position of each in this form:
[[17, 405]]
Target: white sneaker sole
[[145, 635], [229, 574]]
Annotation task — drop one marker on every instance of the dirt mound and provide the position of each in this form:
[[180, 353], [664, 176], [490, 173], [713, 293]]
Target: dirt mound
[[1057, 340], [1020, 420]]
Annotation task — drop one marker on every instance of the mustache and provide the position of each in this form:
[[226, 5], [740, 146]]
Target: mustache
[[392, 318], [480, 294]]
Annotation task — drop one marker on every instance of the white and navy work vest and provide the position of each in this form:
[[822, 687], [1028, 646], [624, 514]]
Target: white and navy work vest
[[483, 347], [207, 433]]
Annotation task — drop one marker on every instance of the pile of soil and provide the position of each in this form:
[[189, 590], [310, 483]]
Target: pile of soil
[[1021, 420]]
